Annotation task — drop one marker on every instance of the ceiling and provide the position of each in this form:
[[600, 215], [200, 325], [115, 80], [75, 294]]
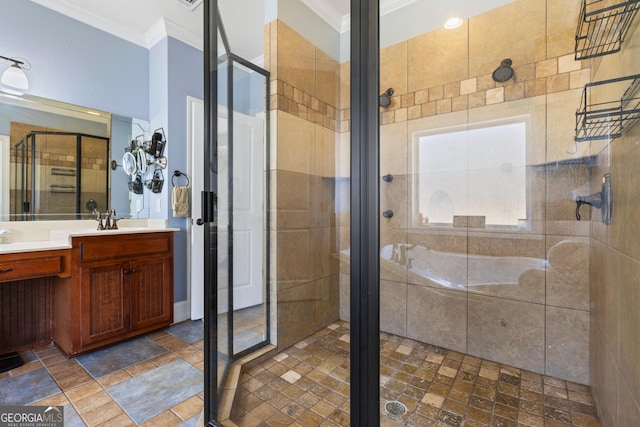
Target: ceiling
[[145, 22]]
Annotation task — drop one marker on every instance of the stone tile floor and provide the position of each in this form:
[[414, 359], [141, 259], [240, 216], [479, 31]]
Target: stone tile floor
[[153, 380], [160, 384], [308, 385]]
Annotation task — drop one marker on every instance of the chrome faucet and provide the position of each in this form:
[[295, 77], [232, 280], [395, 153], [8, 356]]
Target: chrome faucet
[[394, 253], [403, 255]]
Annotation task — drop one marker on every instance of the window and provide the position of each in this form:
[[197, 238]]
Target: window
[[472, 172]]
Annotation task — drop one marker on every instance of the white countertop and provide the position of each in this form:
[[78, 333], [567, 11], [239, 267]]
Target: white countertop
[[38, 245], [60, 238]]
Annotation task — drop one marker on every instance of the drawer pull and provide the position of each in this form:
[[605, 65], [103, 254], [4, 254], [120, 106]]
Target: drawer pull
[[6, 270]]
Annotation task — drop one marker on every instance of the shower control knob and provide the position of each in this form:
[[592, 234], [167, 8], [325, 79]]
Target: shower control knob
[[388, 213]]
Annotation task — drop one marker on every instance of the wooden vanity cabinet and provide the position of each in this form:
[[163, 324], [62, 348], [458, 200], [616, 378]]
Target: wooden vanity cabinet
[[26, 283], [121, 286]]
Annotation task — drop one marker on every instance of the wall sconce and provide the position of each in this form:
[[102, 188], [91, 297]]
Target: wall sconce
[[13, 78]]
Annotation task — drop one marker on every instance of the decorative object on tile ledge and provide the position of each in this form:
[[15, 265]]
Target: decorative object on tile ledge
[[617, 110], [602, 27]]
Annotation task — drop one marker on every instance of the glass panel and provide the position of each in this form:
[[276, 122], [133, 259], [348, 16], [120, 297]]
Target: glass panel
[[238, 244], [249, 186], [480, 169], [50, 165], [93, 174], [310, 214], [221, 188]]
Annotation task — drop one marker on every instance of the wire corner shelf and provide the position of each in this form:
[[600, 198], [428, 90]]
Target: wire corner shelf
[[602, 27], [600, 116]]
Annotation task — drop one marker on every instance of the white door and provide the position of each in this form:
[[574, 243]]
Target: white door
[[195, 130], [248, 191]]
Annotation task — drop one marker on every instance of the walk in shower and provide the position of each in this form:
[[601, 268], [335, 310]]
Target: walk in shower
[[58, 175], [458, 190]]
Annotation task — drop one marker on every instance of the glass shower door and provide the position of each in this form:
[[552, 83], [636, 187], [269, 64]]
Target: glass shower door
[[234, 214]]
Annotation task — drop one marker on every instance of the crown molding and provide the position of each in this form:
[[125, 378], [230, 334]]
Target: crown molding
[[166, 28], [327, 12], [162, 28], [80, 14], [342, 23]]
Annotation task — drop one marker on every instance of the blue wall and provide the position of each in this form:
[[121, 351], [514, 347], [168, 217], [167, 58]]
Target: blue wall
[[185, 78], [76, 63]]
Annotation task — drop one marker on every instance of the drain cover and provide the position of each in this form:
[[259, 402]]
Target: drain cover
[[395, 408]]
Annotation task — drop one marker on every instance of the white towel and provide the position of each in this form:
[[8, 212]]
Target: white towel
[[180, 202]]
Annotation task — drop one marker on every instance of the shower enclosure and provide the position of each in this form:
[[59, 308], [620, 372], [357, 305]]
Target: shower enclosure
[[59, 176], [235, 212], [438, 214]]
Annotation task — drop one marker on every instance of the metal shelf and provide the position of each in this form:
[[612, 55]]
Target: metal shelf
[[600, 117], [601, 29]]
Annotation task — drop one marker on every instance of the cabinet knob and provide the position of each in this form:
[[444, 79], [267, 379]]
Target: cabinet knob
[[133, 270], [125, 271]]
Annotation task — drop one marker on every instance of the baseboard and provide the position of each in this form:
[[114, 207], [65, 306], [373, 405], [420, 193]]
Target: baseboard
[[181, 311]]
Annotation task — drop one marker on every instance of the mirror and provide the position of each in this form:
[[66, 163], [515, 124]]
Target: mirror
[[56, 161]]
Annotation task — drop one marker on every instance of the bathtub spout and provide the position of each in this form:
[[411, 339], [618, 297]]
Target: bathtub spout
[[403, 255]]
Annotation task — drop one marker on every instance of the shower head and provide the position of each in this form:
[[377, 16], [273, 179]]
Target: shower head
[[504, 72], [385, 98]]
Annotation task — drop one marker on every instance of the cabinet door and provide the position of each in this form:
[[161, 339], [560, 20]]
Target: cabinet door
[[151, 292], [104, 299]]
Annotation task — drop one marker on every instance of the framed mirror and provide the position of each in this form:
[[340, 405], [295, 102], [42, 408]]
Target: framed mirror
[[56, 161]]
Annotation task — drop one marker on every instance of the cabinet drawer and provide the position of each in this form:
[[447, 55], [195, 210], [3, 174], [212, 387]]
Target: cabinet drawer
[[31, 268], [96, 248]]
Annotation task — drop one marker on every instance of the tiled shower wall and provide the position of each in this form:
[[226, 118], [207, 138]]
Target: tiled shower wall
[[615, 260], [442, 79], [304, 100]]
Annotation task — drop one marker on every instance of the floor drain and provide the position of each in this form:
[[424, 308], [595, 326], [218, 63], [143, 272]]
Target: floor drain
[[395, 408]]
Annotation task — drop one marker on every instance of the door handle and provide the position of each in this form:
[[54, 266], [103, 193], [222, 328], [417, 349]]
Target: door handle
[[199, 221]]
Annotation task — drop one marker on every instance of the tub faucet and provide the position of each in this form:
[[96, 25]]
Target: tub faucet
[[403, 255], [394, 253]]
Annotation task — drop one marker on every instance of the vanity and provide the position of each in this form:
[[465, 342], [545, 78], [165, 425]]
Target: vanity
[[85, 288]]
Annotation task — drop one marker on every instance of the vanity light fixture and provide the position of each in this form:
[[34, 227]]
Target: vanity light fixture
[[14, 80], [453, 22]]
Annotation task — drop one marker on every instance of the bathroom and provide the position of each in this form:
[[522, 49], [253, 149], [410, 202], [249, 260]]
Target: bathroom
[[572, 317]]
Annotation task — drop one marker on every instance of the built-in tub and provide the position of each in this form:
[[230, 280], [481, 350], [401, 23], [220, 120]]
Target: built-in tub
[[460, 271]]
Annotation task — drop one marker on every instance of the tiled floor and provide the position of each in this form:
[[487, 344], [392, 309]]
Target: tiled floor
[[152, 380], [308, 385], [157, 380]]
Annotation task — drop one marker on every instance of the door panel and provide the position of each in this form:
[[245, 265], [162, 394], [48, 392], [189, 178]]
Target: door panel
[[105, 301], [151, 292]]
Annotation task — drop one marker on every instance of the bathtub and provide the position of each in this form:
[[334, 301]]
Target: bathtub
[[460, 271]]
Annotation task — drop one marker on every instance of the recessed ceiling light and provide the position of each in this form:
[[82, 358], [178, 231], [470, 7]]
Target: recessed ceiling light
[[453, 22]]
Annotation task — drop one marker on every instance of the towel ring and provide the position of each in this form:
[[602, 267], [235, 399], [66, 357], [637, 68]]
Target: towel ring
[[177, 174]]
